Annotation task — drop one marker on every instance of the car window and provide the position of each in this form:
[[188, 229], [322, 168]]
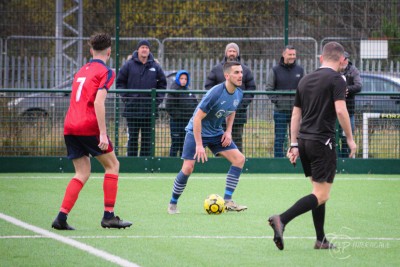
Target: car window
[[389, 87], [377, 84], [170, 75], [367, 84]]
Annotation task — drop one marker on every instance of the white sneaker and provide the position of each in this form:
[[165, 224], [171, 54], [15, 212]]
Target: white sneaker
[[230, 205], [173, 209]]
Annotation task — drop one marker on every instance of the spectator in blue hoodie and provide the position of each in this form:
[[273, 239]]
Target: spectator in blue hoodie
[[180, 107], [140, 72]]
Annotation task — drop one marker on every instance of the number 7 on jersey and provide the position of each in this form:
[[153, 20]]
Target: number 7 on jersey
[[81, 81]]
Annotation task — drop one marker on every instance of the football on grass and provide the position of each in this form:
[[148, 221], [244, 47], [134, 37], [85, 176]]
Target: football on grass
[[214, 204]]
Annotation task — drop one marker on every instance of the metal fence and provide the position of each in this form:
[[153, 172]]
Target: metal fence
[[44, 70], [31, 124], [42, 50]]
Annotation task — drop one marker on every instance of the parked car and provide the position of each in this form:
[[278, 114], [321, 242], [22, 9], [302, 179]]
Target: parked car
[[41, 107], [51, 107], [379, 83]]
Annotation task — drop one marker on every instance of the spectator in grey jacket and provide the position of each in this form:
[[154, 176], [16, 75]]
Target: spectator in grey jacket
[[354, 85], [140, 72], [284, 76], [216, 76]]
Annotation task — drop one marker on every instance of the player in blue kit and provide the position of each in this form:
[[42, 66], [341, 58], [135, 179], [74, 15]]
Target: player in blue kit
[[205, 130]]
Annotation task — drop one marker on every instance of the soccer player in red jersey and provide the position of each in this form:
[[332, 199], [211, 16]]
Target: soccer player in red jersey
[[85, 133]]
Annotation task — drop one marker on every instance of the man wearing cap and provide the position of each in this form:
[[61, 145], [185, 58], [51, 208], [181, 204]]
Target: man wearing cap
[[216, 76], [140, 72], [284, 76], [354, 84]]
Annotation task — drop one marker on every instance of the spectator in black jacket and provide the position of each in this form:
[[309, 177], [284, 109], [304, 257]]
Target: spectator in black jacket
[[140, 72], [284, 76], [354, 85], [216, 76], [180, 107]]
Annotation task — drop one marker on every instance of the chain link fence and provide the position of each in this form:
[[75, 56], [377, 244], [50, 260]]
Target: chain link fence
[[33, 125], [43, 43]]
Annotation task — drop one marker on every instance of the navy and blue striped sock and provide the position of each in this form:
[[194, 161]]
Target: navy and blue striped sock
[[179, 185], [232, 179]]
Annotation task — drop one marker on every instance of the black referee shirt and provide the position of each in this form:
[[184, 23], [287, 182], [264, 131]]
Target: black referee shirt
[[316, 96]]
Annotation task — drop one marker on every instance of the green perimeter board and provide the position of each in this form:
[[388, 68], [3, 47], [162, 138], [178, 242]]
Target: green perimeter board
[[214, 165]]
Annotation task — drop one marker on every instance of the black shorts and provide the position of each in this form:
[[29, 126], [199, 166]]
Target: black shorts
[[318, 160], [79, 146]]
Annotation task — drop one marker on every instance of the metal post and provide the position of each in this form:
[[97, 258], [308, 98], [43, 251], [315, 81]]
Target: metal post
[[117, 106], [117, 28], [153, 120], [80, 34], [286, 26], [59, 41]]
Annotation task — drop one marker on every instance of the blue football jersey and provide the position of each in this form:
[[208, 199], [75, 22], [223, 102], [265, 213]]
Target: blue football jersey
[[218, 103]]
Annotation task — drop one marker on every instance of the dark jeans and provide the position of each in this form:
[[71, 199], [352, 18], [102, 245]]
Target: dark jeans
[[177, 128], [136, 125], [282, 120], [344, 150]]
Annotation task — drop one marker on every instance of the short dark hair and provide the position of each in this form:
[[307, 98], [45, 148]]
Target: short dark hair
[[289, 47], [333, 51], [100, 41], [228, 65]]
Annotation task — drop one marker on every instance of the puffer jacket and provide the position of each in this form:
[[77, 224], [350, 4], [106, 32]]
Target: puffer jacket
[[136, 75], [284, 77]]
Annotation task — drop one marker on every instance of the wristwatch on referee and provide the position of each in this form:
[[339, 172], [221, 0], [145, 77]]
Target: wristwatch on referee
[[294, 145]]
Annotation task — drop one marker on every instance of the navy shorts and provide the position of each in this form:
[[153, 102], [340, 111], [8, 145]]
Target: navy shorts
[[79, 146], [318, 160], [213, 143]]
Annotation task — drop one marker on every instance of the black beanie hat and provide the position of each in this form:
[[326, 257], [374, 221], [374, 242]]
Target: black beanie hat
[[143, 42]]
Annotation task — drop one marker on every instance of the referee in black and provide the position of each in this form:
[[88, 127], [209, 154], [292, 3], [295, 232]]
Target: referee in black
[[320, 99]]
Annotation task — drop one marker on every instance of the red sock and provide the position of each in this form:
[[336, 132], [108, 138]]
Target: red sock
[[110, 188], [71, 195]]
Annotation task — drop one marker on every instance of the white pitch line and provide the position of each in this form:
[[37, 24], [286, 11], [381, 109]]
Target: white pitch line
[[222, 177], [207, 237], [97, 252]]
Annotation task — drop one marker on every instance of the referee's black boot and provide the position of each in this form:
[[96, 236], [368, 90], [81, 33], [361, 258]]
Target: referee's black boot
[[324, 244], [278, 227]]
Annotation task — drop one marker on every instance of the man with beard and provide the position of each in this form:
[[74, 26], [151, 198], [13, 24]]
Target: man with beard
[[216, 76], [205, 130], [354, 85]]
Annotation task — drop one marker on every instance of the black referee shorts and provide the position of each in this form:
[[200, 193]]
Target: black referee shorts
[[318, 160]]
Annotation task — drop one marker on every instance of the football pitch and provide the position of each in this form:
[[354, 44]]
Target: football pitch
[[362, 219]]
